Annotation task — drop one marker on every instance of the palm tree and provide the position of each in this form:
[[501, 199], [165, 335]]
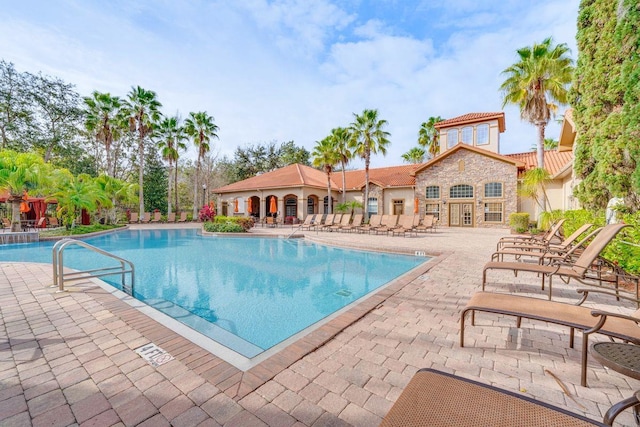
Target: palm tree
[[74, 194], [533, 183], [415, 155], [325, 155], [428, 136], [537, 83], [341, 138], [202, 129], [172, 137], [118, 192], [143, 111], [103, 121], [19, 173], [368, 137], [549, 144]]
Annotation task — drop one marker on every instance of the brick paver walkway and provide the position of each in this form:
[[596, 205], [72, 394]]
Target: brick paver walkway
[[68, 359]]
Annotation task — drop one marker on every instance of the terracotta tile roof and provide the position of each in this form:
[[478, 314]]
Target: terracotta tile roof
[[473, 118], [554, 161], [394, 176], [295, 175]]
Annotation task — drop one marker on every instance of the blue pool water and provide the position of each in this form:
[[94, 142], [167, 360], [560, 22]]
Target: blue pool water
[[248, 294]]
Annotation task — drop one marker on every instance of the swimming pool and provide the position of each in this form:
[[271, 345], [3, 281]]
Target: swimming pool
[[248, 294]]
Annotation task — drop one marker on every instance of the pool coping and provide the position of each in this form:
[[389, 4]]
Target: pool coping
[[234, 382]]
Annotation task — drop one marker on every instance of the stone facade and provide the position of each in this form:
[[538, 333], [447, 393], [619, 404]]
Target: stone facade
[[469, 168]]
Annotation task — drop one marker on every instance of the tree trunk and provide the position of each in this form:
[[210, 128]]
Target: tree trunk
[[15, 214], [141, 177], [540, 149], [195, 190], [169, 190], [367, 160], [329, 204], [344, 184], [175, 187]]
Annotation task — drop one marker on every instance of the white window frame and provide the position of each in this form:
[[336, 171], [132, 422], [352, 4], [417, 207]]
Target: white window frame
[[466, 135], [482, 134], [452, 141]]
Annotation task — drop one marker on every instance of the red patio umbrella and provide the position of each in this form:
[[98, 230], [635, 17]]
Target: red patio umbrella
[[272, 207]]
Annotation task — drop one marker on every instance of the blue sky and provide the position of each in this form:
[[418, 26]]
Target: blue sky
[[285, 70]]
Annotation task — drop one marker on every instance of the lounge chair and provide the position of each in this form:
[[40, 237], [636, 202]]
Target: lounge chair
[[388, 223], [328, 221], [355, 223], [183, 217], [537, 250], [573, 316], [42, 222], [134, 217], [346, 219], [374, 222], [6, 224], [563, 266], [308, 222], [428, 224], [438, 399], [171, 217], [52, 222], [157, 216], [271, 222], [146, 217], [545, 238], [405, 226]]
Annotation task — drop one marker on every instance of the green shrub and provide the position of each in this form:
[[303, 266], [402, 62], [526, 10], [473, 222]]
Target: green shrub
[[245, 222], [548, 218], [574, 219], [626, 255], [223, 227], [519, 221]]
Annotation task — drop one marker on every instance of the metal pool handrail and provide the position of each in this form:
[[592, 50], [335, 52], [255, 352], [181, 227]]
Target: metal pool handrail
[[59, 276]]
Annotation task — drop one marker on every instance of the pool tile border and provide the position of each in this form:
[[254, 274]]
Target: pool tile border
[[234, 382]]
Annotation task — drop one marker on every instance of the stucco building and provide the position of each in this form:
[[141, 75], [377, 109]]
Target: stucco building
[[469, 184]]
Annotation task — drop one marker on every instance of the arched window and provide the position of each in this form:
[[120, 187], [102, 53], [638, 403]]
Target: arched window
[[326, 206], [467, 135], [452, 137], [312, 203], [482, 134], [461, 191], [291, 206]]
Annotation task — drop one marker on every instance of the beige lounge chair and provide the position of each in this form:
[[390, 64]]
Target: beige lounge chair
[[5, 224], [386, 225], [183, 217], [564, 266], [308, 222], [374, 222], [271, 222], [428, 224], [438, 399], [344, 222], [537, 250], [573, 316], [405, 226], [355, 223], [328, 221], [146, 217], [545, 238], [157, 216], [133, 218], [53, 222], [171, 217]]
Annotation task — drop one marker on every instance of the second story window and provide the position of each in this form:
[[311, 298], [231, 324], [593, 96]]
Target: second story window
[[482, 134], [452, 137], [467, 135], [433, 192], [493, 189]]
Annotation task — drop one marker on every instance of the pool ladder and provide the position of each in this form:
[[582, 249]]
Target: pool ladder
[[59, 275]]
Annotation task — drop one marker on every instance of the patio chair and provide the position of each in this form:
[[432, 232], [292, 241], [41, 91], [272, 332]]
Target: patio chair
[[146, 217], [157, 216], [346, 219], [133, 218], [438, 399], [374, 222], [328, 221], [576, 316], [171, 217], [388, 223], [52, 222], [355, 223], [42, 222], [538, 250], [564, 266], [308, 222], [405, 226], [5, 224], [271, 222], [183, 217], [545, 238], [428, 224]]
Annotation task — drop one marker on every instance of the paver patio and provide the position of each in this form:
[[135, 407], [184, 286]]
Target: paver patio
[[68, 359]]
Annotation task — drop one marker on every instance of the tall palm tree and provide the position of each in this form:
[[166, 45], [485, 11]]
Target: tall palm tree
[[143, 111], [428, 136], [368, 137], [118, 192], [20, 172], [415, 155], [537, 83], [325, 155], [74, 194], [341, 137], [201, 128], [103, 121], [172, 137]]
